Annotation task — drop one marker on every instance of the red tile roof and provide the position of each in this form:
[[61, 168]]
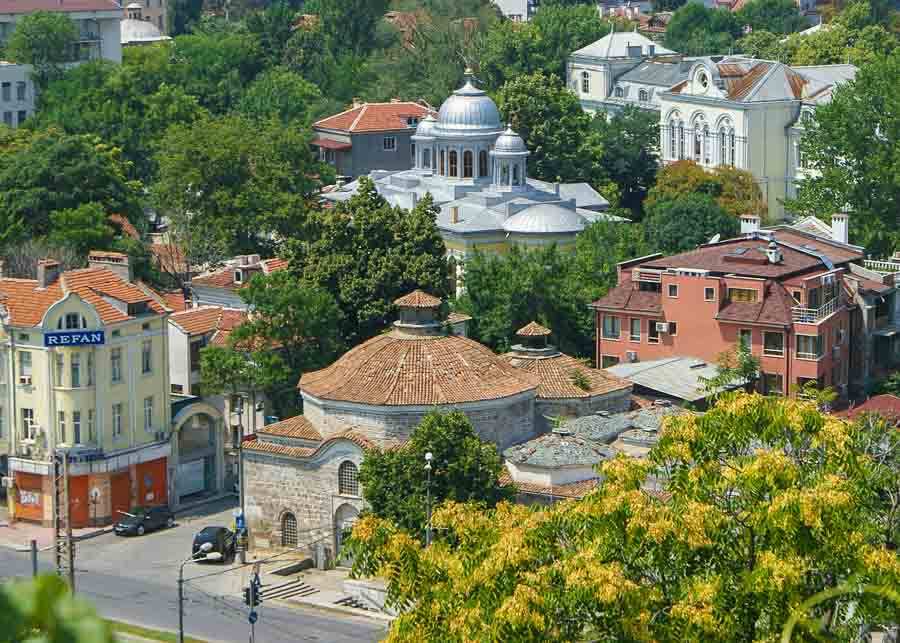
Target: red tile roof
[[375, 117], [351, 434], [210, 319], [57, 6], [626, 296], [572, 490], [330, 145], [174, 300], [417, 299], [885, 405], [295, 427], [554, 375], [533, 329], [775, 308], [224, 277]]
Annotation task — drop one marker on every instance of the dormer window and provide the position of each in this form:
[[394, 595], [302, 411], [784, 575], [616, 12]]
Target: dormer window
[[620, 93], [643, 96], [238, 276], [71, 321], [412, 121], [703, 80], [137, 308]]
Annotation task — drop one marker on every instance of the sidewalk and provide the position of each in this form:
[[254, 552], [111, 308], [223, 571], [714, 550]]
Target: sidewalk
[[18, 535]]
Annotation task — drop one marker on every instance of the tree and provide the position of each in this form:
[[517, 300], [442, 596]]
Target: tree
[[853, 143], [349, 25], [765, 45], [44, 40], [667, 5], [775, 16], [305, 53], [82, 229], [367, 254], [45, 610], [281, 94], [735, 367], [274, 28], [735, 190], [766, 502], [43, 172], [182, 15], [464, 469], [695, 30], [683, 224], [598, 251], [243, 185]]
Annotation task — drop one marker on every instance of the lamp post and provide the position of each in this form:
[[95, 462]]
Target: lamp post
[[240, 449], [206, 555], [428, 457]]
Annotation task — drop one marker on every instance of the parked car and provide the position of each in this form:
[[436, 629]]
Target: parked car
[[140, 520], [222, 540]]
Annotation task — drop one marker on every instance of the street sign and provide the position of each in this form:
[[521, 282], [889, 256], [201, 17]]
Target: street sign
[[239, 521], [252, 617]]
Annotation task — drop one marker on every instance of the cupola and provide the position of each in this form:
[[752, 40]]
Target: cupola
[[509, 162]]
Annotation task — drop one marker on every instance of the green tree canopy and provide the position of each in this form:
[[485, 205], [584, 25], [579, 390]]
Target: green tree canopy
[[695, 30], [766, 503], [854, 144], [82, 229], [734, 189], [464, 469], [367, 254], [684, 223], [280, 93], [765, 45], [775, 16], [44, 40], [349, 25]]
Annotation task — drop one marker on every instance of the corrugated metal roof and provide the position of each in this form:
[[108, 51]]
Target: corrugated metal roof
[[678, 377], [663, 74]]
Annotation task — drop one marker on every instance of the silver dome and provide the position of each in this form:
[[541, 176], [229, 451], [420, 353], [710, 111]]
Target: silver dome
[[469, 111], [510, 142], [140, 31], [545, 218], [426, 128]]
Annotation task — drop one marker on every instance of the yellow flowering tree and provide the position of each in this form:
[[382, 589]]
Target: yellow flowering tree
[[765, 503]]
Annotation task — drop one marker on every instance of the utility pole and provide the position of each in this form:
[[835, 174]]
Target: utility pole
[[428, 457], [34, 558], [252, 599], [62, 524], [239, 535]]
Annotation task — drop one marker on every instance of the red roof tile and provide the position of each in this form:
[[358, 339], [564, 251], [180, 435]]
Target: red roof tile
[[626, 296], [885, 405], [57, 6], [174, 300], [554, 375], [417, 299], [375, 117], [224, 277], [262, 446], [775, 308], [210, 319], [328, 144], [533, 329], [295, 427]]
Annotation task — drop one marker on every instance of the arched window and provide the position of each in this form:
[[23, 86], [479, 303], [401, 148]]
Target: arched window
[[699, 132], [644, 96], [454, 163], [426, 158], [412, 151], [482, 163], [731, 148], [443, 163], [726, 143], [680, 139], [673, 145], [706, 145], [585, 82], [515, 177], [289, 530], [348, 479], [468, 161], [504, 172], [620, 93]]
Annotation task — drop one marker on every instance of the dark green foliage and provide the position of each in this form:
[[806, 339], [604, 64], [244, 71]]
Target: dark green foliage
[[367, 254], [82, 229], [281, 94], [182, 15], [463, 469], [45, 40], [697, 31], [349, 25], [683, 224], [775, 16], [272, 28]]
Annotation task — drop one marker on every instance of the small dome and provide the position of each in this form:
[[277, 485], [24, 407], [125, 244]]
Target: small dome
[[533, 329], [510, 142], [545, 218], [469, 111], [134, 5], [426, 127], [134, 31], [418, 299]]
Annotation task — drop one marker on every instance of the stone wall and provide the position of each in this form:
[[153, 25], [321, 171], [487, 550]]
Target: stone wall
[[275, 485], [546, 410]]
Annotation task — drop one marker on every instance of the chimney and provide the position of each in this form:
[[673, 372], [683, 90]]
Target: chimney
[[773, 254], [47, 272], [357, 101], [840, 226], [115, 262], [454, 214], [749, 223], [396, 100]]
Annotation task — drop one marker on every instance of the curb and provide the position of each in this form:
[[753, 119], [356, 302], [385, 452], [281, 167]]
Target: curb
[[337, 609], [93, 534]]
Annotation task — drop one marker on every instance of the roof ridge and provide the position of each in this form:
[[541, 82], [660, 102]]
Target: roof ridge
[[362, 112], [346, 111]]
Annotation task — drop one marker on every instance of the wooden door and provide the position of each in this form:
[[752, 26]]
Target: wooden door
[[121, 494]]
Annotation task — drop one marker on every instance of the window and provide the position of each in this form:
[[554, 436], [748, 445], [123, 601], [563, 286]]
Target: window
[[612, 327], [795, 295], [238, 276], [673, 290], [681, 139], [745, 337], [652, 333], [348, 482], [443, 166], [2, 423], [809, 346], [195, 356], [412, 152], [454, 163], [773, 343], [90, 425], [607, 361], [390, 143], [289, 530], [90, 369], [76, 427], [620, 93], [426, 158], [28, 425], [515, 174], [73, 321], [75, 370], [177, 388], [482, 163], [145, 326], [117, 420], [468, 160], [21, 116], [635, 332], [148, 413], [20, 90], [115, 365], [772, 384], [412, 121], [8, 119], [747, 295], [673, 328], [147, 356], [62, 426], [644, 96], [7, 91], [672, 140], [60, 366], [117, 333], [585, 82], [24, 364], [709, 294]]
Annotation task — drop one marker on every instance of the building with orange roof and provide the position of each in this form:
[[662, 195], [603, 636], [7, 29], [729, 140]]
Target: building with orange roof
[[221, 286]]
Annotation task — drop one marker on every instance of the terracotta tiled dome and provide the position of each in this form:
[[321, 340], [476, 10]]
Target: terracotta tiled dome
[[533, 329]]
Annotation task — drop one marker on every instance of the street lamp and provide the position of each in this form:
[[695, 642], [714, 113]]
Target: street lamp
[[203, 554], [428, 457]]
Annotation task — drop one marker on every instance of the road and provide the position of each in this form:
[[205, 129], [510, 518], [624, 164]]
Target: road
[[134, 580]]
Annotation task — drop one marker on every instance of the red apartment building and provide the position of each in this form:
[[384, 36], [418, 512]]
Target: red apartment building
[[781, 291]]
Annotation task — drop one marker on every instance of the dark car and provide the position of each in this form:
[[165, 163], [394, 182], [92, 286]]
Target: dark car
[[222, 540], [140, 520]]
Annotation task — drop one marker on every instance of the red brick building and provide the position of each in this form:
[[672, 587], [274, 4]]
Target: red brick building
[[781, 291]]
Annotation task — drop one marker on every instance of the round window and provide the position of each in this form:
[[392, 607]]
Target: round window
[[703, 79]]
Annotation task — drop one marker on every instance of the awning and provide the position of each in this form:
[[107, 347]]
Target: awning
[[328, 144]]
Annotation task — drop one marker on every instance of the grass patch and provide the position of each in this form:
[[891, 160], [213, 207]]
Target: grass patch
[[147, 633]]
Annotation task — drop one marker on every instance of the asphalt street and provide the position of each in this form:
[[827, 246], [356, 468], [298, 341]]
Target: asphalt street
[[134, 580]]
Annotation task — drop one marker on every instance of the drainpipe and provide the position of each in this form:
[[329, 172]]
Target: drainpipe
[[787, 360]]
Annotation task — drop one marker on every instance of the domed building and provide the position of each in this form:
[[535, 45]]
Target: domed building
[[301, 473], [477, 172], [567, 388], [136, 30]]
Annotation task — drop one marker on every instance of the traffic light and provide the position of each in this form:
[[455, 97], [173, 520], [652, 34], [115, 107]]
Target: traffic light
[[252, 595]]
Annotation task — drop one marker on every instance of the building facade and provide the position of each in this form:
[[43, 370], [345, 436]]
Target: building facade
[[517, 10], [222, 286], [144, 25], [97, 22]]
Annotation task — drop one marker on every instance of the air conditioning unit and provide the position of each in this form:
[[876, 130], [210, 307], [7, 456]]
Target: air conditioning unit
[[631, 356], [662, 327], [25, 380], [6, 482]]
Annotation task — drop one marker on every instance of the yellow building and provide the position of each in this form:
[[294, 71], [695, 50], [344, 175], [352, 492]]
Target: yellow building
[[84, 370]]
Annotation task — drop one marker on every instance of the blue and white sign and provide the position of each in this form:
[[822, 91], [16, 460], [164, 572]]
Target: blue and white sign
[[75, 338], [252, 616]]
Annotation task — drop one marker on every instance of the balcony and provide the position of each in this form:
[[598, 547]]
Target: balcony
[[802, 315], [883, 267]]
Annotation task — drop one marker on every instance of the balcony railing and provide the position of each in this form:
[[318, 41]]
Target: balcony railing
[[802, 315], [884, 267]]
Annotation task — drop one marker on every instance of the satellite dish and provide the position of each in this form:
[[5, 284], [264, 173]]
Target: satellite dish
[[715, 238]]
